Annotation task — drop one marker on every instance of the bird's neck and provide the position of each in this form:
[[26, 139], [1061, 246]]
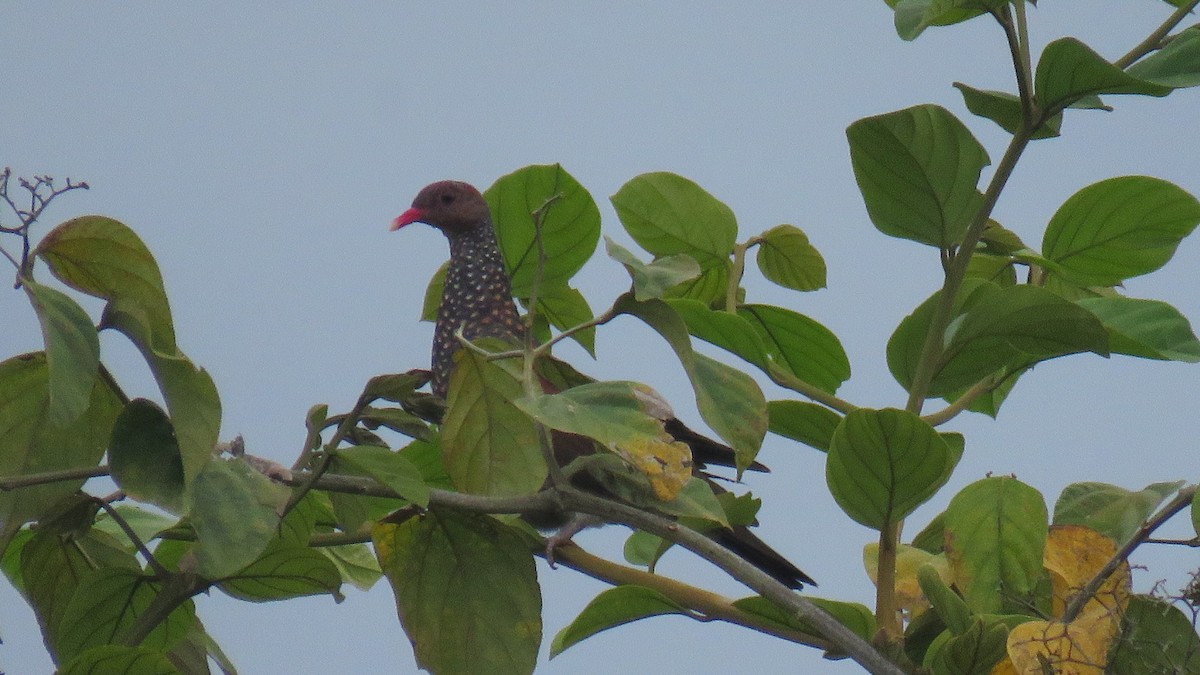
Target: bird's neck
[[476, 300]]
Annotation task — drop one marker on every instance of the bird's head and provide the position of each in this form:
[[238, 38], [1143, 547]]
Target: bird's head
[[451, 206]]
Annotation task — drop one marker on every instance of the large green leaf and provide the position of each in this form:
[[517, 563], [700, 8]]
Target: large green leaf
[[1147, 328], [914, 16], [72, 351], [1175, 65], [611, 412], [1110, 510], [1005, 109], [570, 226], [729, 400], [144, 456], [917, 170], [235, 512], [285, 571], [884, 463], [103, 257], [466, 591], [995, 532], [786, 258], [50, 567], [726, 330], [667, 214], [122, 660], [1119, 228], [801, 345], [994, 330], [489, 445], [612, 608], [1069, 69], [30, 443], [106, 604], [1157, 637]]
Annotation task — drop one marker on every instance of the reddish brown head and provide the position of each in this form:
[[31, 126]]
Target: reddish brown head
[[451, 206]]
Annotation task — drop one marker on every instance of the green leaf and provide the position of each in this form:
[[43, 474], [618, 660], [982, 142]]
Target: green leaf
[[50, 567], [1157, 637], [1110, 510], [103, 257], [106, 604], [917, 170], [884, 463], [804, 347], [852, 615], [1196, 513], [995, 330], [914, 16], [285, 571], [802, 421], [729, 400], [709, 288], [611, 412], [189, 391], [975, 652], [144, 456], [1119, 228], [433, 293], [355, 563], [667, 214], [1004, 109], [489, 446], [951, 608], [145, 524], [1147, 328], [30, 444], [566, 308], [463, 580], [614, 607], [72, 351], [1069, 69], [235, 512], [995, 533], [570, 225], [1175, 65], [726, 330], [395, 387], [119, 659], [390, 469], [786, 258], [655, 279]]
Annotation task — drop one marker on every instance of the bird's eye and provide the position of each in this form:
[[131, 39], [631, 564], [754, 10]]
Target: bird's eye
[[447, 199]]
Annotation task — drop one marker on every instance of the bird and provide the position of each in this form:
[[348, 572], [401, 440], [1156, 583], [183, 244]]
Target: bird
[[477, 302]]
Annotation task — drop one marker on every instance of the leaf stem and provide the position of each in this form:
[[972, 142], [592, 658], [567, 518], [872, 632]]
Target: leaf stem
[[162, 572]]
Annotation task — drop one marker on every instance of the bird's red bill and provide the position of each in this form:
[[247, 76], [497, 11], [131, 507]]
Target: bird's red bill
[[410, 216]]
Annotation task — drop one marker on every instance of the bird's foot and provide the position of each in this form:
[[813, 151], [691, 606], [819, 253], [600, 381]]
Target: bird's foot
[[562, 537]]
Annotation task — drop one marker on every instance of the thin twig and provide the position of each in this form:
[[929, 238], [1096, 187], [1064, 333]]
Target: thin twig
[[1156, 38], [1182, 500], [112, 512]]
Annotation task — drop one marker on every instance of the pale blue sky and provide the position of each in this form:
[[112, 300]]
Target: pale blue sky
[[262, 149]]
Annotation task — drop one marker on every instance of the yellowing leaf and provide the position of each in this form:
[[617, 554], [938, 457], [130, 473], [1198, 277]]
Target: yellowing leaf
[[668, 464], [908, 561], [1074, 554], [1077, 648]]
